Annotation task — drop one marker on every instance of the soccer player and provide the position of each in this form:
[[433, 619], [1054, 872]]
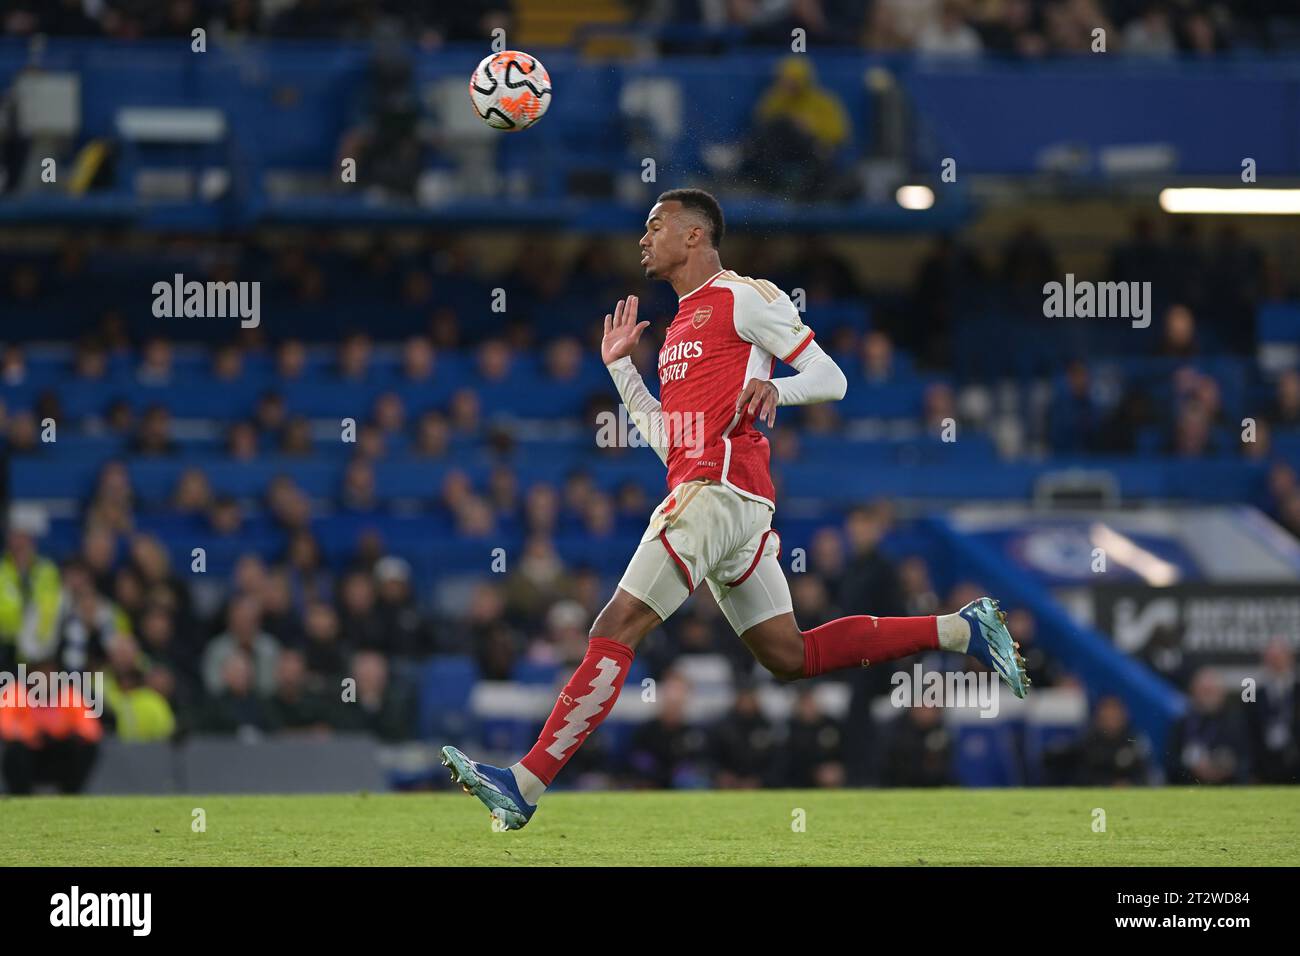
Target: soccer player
[[715, 526]]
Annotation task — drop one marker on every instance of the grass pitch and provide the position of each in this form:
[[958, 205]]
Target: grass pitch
[[1168, 827]]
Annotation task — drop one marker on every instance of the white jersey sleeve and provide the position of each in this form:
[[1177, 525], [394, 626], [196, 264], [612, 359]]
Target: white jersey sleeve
[[765, 316], [819, 379], [643, 408]]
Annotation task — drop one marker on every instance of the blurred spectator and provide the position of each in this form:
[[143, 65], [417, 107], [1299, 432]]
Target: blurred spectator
[[308, 577], [798, 128], [418, 360], [86, 622], [537, 578], [295, 439], [827, 558], [920, 750], [193, 494], [389, 414], [870, 584], [1285, 409], [1013, 30], [919, 597], [243, 636], [1210, 743], [271, 415], [288, 505], [295, 706], [1193, 437], [360, 626], [174, 652], [433, 437], [153, 435], [945, 275], [227, 364], [359, 495], [1151, 33], [354, 357], [386, 141], [1110, 755], [113, 503], [813, 754], [1028, 262], [234, 704], [380, 707], [878, 359], [13, 366], [1042, 668], [565, 639], [30, 594], [290, 360], [155, 363], [1073, 417], [23, 437], [744, 745], [948, 35], [55, 743], [139, 711], [408, 633], [1274, 716], [1179, 333], [98, 552], [326, 656], [238, 20], [666, 751], [279, 613]]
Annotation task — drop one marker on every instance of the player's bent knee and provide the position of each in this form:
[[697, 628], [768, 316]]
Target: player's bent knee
[[625, 619], [784, 659], [777, 644], [784, 666]]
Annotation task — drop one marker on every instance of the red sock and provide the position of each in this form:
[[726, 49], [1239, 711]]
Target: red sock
[[586, 700], [861, 640]]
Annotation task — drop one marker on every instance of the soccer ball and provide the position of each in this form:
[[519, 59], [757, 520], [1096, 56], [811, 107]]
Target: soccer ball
[[510, 90]]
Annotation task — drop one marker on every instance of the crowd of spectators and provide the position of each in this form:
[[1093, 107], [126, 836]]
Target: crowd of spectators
[[1025, 28], [967, 28], [293, 642], [288, 646], [1207, 292]]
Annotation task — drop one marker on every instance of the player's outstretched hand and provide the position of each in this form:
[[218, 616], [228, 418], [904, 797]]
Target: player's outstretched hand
[[760, 396], [622, 331]]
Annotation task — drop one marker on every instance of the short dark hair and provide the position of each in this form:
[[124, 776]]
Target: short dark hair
[[703, 203]]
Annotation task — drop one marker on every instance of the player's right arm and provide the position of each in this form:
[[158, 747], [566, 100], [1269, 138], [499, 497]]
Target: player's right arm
[[622, 332]]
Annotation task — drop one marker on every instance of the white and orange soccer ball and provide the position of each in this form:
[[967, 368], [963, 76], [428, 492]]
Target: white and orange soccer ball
[[510, 90]]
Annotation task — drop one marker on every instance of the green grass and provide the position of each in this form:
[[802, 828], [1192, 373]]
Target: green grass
[[1170, 827]]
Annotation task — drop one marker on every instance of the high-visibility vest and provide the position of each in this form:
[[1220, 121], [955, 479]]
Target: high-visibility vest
[[42, 594]]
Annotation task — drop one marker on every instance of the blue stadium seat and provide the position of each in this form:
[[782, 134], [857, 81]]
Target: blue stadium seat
[[446, 685], [528, 671], [986, 753]]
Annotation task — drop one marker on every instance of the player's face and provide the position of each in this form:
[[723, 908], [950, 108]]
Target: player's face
[[663, 247]]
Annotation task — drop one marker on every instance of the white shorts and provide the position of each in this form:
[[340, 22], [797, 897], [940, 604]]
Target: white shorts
[[704, 531]]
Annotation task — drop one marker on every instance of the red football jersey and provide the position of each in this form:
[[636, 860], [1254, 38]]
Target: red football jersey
[[729, 330]]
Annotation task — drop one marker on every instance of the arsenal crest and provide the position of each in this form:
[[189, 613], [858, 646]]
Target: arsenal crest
[[701, 315]]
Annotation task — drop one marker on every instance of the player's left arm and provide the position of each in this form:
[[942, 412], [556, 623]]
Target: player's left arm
[[766, 317]]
